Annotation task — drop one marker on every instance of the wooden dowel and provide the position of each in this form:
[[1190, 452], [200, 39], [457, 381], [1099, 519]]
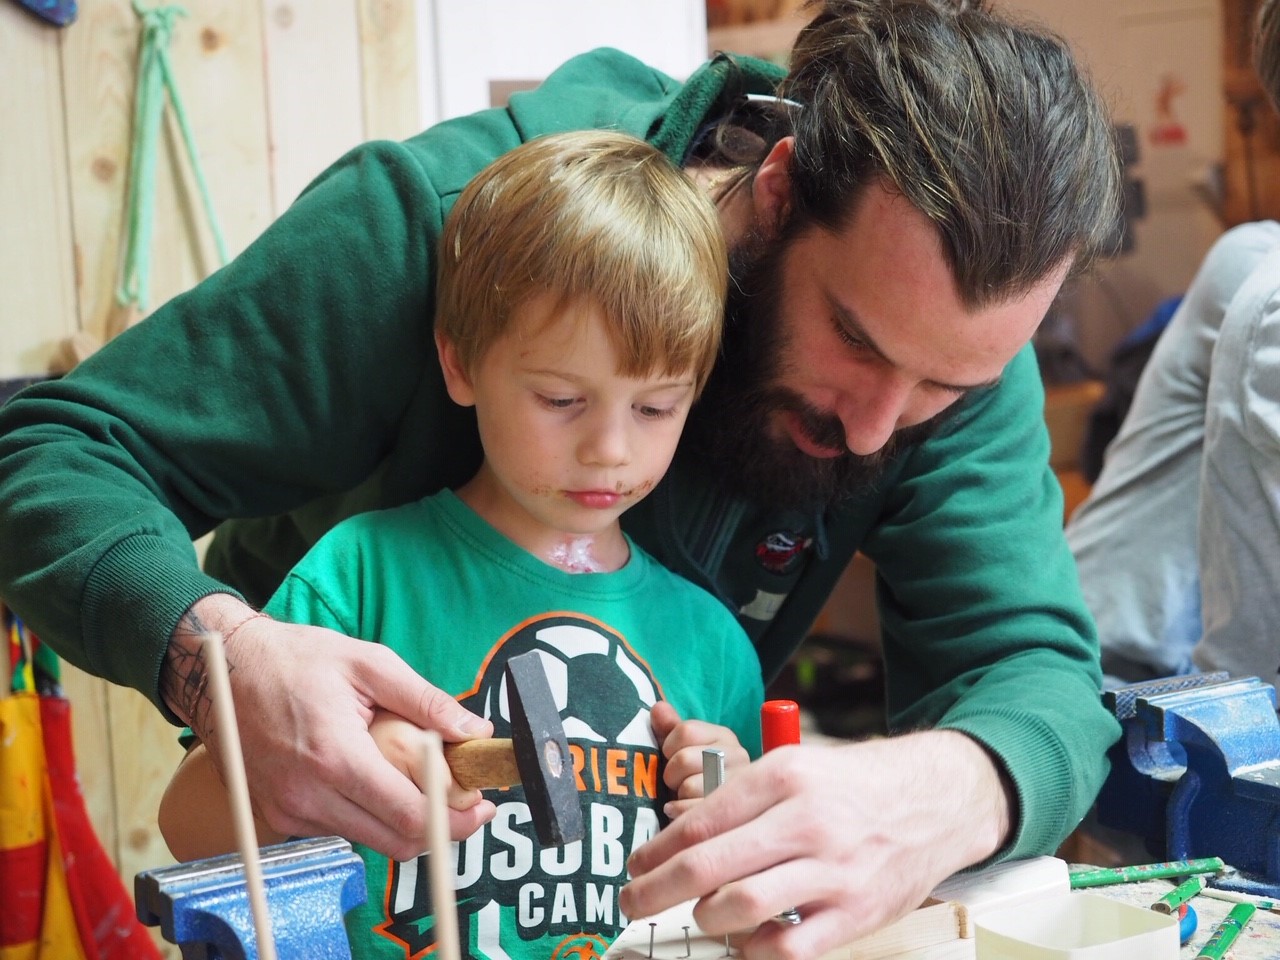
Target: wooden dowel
[[443, 901], [224, 719]]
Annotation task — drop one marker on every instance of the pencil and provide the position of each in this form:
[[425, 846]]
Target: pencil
[[1227, 931], [1179, 895], [1144, 871], [1230, 896]]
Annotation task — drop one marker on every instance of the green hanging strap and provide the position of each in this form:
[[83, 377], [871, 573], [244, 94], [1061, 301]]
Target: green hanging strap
[[155, 79]]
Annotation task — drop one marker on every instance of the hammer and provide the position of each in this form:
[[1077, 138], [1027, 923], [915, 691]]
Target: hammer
[[537, 755]]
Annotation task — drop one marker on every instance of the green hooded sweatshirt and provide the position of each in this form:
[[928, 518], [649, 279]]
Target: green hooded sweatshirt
[[300, 384]]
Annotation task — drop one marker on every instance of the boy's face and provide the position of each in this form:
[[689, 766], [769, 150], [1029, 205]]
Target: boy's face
[[569, 443]]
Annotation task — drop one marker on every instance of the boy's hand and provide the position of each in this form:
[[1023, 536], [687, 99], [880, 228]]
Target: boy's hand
[[402, 743], [682, 743]]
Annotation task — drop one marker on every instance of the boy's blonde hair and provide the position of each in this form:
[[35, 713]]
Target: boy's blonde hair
[[593, 216]]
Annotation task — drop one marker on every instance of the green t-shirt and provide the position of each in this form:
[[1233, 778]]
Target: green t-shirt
[[456, 600]]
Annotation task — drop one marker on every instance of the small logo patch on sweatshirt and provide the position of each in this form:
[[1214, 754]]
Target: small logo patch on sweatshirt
[[780, 552]]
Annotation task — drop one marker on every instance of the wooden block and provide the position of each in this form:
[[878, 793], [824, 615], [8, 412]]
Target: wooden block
[[1005, 885], [941, 929], [668, 941], [932, 932]]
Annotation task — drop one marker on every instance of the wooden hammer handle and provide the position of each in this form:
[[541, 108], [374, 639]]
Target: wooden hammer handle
[[482, 764]]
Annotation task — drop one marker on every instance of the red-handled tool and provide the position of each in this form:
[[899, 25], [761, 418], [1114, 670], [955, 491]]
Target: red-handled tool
[[779, 723], [780, 727]]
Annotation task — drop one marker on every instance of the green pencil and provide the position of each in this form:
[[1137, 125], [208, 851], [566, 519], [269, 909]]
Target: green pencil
[[1227, 931], [1179, 895], [1144, 871]]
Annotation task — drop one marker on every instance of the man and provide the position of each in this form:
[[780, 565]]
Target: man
[[900, 220]]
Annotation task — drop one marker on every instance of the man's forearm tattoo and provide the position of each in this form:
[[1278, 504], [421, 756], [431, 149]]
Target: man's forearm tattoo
[[184, 679], [187, 677]]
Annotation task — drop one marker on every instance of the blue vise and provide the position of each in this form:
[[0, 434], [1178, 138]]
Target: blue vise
[[1197, 774], [203, 906]]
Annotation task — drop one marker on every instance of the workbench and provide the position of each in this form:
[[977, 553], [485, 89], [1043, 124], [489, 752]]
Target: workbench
[[1259, 941]]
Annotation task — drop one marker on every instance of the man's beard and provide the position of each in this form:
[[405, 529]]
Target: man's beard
[[729, 426]]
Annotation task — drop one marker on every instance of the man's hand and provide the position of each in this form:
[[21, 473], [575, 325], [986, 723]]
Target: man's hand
[[305, 697], [855, 836], [682, 743]]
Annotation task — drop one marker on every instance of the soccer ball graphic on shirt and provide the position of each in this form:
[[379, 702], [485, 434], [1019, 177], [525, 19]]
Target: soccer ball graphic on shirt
[[604, 694], [602, 691]]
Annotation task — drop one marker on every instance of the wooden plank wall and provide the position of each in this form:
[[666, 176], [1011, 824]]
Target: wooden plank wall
[[274, 91]]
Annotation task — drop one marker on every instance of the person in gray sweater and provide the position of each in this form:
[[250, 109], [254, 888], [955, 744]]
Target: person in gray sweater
[[1178, 544]]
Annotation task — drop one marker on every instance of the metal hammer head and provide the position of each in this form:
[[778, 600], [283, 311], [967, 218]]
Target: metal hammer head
[[542, 753]]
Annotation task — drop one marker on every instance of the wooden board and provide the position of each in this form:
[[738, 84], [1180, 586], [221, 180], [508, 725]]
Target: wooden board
[[389, 69], [68, 127], [217, 55], [91, 732], [37, 299], [313, 87], [98, 79], [125, 754]]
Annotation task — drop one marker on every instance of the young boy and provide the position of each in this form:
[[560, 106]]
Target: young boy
[[580, 305]]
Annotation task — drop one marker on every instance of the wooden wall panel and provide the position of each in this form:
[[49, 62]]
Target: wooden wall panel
[[66, 118], [91, 728], [37, 295], [313, 89], [389, 68], [98, 79], [216, 55], [217, 61], [145, 752]]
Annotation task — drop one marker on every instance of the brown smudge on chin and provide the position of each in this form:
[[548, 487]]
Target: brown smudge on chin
[[643, 488]]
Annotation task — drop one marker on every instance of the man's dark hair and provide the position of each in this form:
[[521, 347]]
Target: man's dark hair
[[986, 126]]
